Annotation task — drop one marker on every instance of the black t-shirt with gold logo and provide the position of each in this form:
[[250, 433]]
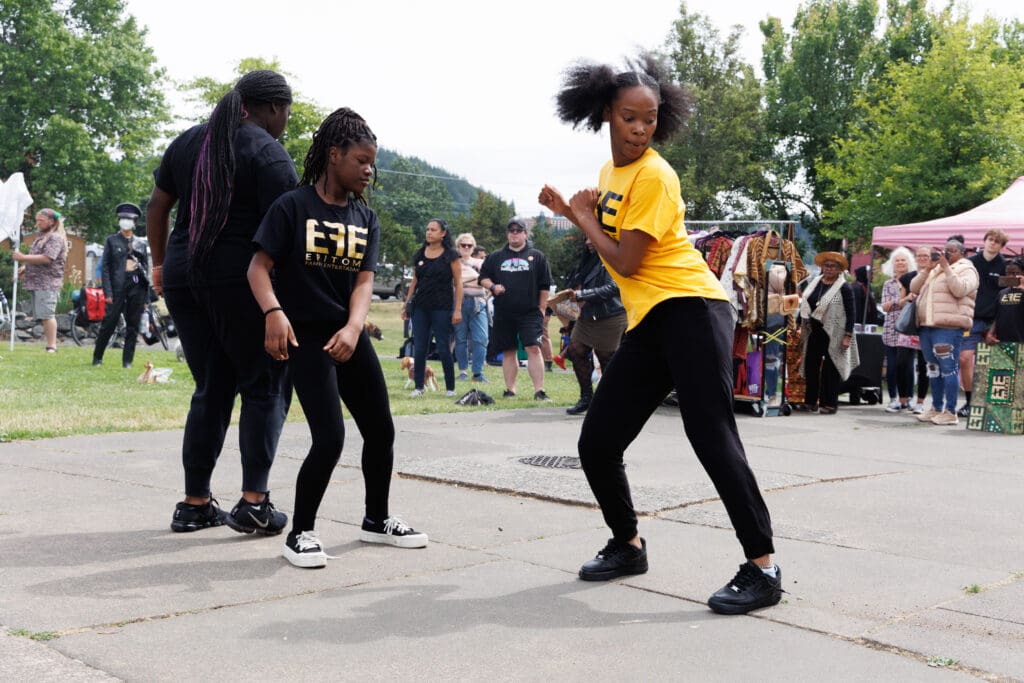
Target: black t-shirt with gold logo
[[318, 249]]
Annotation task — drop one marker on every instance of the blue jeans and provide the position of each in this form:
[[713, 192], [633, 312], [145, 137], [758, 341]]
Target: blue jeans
[[427, 323], [472, 330], [943, 364]]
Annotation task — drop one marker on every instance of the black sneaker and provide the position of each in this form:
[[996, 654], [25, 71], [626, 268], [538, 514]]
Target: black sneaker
[[189, 517], [262, 518], [965, 411], [539, 395], [616, 559], [750, 589], [392, 531], [580, 407], [304, 550], [508, 394]]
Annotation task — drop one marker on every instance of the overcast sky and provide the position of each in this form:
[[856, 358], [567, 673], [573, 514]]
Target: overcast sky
[[466, 86]]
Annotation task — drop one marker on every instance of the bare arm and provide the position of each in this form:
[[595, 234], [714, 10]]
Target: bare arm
[[623, 256], [457, 278], [278, 333], [158, 227]]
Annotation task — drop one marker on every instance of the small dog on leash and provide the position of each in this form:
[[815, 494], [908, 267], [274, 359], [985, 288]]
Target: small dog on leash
[[429, 381], [373, 331]]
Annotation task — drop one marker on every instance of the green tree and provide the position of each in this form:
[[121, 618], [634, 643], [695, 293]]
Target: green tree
[[716, 153], [82, 107], [487, 220], [812, 79], [938, 137], [305, 118]]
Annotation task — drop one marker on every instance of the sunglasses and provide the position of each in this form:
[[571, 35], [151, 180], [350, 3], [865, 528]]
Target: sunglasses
[[516, 230], [465, 246]]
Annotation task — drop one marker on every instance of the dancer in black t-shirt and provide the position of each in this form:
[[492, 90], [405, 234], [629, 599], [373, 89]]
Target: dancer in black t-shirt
[[321, 241], [1009, 322], [223, 175]]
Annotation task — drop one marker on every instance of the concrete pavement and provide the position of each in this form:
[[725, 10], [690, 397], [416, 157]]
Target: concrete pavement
[[901, 546]]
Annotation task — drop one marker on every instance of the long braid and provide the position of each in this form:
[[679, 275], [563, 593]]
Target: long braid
[[214, 176], [342, 128]]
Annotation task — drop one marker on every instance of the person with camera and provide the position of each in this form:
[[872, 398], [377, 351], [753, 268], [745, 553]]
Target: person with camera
[[125, 284], [990, 265], [945, 291]]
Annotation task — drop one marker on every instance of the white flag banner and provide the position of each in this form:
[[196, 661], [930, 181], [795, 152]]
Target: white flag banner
[[14, 199]]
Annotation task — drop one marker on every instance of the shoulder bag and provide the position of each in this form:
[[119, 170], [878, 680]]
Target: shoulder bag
[[906, 322]]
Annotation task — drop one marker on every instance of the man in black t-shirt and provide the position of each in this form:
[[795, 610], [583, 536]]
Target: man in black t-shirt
[[990, 266], [519, 278], [1009, 322]]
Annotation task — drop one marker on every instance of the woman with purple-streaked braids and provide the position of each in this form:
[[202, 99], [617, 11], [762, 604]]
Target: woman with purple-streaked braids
[[224, 175]]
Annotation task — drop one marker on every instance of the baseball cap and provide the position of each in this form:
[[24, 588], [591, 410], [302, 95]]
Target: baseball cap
[[517, 221]]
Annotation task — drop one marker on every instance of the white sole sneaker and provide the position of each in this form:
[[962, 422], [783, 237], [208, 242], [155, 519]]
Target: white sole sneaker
[[416, 540], [305, 560]]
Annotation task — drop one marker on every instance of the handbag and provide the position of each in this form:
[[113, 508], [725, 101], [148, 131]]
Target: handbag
[[906, 322]]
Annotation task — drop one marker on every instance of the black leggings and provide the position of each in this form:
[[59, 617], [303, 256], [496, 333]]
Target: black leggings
[[359, 381], [823, 380], [686, 344], [582, 357]]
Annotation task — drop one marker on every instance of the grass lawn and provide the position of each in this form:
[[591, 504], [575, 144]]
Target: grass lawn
[[46, 395]]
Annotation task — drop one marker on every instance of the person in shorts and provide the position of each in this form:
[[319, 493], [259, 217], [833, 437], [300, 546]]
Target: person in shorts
[[519, 278], [42, 271]]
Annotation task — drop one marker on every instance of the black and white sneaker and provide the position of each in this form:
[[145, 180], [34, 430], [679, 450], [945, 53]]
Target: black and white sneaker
[[189, 517], [614, 560], [750, 589], [392, 531], [261, 518], [304, 550]]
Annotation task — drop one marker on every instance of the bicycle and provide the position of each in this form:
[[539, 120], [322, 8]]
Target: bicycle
[[153, 327]]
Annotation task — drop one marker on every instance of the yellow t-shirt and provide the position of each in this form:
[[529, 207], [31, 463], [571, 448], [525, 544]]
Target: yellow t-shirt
[[644, 195]]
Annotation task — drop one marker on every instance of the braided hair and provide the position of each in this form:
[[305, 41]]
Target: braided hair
[[342, 128], [589, 89], [213, 180]]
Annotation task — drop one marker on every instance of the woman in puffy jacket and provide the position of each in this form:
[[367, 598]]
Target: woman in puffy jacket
[[945, 291]]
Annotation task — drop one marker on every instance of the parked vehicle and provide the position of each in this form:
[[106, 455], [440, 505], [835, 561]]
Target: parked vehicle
[[391, 281]]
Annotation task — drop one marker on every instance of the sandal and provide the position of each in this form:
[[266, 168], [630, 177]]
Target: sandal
[[827, 410]]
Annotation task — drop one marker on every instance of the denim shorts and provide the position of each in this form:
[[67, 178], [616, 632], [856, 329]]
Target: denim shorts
[[976, 335]]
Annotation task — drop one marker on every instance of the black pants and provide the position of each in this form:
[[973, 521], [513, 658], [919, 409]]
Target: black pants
[[359, 381], [221, 330], [822, 376], [685, 344], [923, 383], [899, 371], [129, 302]]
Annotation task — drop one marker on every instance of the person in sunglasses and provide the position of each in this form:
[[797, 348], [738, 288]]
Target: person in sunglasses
[[518, 277], [472, 332]]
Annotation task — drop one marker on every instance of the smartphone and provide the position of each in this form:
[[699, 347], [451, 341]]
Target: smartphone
[[1007, 280], [935, 256]]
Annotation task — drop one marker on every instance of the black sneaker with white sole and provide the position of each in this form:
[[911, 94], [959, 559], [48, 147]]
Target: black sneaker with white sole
[[189, 517], [259, 518], [614, 560], [750, 589], [392, 531], [305, 550]]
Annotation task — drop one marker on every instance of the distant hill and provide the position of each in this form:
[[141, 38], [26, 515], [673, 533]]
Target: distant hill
[[463, 193]]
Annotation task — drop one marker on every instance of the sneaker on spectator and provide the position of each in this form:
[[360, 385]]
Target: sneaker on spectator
[[750, 589], [189, 517], [614, 560], [965, 410], [449, 393], [927, 415], [304, 550], [945, 418], [918, 408], [480, 378], [261, 518], [463, 376], [508, 393], [392, 531], [896, 407], [539, 395], [415, 392]]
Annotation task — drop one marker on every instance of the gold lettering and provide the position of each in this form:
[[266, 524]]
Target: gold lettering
[[357, 241], [312, 237], [337, 236]]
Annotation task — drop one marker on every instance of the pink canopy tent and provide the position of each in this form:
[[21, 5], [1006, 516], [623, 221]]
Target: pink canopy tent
[[1005, 212]]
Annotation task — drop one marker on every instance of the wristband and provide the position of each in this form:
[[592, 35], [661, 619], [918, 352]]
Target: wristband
[[271, 310]]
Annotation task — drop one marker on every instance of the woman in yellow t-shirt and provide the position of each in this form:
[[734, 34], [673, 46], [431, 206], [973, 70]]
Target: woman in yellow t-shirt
[[679, 331]]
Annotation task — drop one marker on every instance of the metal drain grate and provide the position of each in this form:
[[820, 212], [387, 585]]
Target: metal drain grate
[[558, 462]]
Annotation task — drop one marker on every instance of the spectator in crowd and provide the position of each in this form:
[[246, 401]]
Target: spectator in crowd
[[990, 265], [1009, 323], [436, 292], [601, 323], [125, 284], [864, 305], [42, 272], [899, 347], [945, 291], [922, 257], [471, 333], [828, 345], [518, 276]]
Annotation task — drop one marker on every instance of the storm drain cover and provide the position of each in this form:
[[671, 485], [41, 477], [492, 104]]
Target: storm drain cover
[[558, 462]]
